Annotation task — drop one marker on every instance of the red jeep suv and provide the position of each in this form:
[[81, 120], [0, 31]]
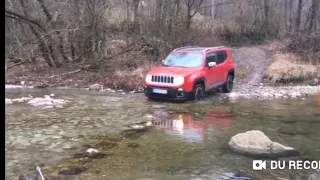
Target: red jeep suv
[[189, 72]]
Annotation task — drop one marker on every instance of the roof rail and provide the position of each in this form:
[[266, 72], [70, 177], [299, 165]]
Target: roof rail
[[206, 49], [185, 47]]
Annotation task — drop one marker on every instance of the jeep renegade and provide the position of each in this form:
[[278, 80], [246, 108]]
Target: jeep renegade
[[189, 72]]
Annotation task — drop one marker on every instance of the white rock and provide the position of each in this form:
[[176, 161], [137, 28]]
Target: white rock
[[149, 123], [277, 95], [95, 87], [137, 126], [8, 101], [52, 95], [48, 107], [23, 99], [123, 93], [22, 82], [91, 150], [149, 116], [109, 89], [46, 101], [255, 142]]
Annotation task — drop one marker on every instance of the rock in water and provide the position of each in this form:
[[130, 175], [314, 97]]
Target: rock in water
[[8, 101], [256, 143], [95, 87]]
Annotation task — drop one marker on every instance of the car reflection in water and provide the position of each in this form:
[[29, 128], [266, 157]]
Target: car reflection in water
[[192, 129]]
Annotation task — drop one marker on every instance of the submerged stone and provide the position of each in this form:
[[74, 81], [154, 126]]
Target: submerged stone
[[291, 131], [72, 171], [133, 145]]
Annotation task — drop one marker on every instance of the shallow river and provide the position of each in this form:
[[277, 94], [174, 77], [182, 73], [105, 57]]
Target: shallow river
[[189, 141]]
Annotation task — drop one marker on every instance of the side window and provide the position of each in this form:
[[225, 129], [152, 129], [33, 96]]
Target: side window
[[211, 57], [222, 56]]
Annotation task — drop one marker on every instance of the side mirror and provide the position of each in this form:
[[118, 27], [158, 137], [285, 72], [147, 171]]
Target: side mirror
[[212, 64]]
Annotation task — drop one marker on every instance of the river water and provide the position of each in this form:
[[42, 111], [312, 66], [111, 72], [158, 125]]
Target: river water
[[188, 142]]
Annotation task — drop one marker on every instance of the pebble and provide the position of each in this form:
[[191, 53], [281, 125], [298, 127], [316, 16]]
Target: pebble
[[37, 135], [266, 92], [67, 146], [56, 137], [91, 150]]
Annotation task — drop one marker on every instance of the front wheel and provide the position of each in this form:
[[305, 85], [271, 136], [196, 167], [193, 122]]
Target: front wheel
[[199, 92], [228, 86]]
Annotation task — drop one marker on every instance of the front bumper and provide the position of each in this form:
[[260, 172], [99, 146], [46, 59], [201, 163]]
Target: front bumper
[[172, 93]]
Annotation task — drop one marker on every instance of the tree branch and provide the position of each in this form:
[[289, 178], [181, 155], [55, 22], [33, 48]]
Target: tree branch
[[13, 15]]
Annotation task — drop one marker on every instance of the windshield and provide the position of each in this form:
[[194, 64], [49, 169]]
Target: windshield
[[183, 59]]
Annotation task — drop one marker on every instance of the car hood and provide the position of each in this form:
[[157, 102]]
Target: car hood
[[174, 71]]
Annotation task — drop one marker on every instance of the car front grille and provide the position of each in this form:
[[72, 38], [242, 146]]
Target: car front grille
[[162, 79]]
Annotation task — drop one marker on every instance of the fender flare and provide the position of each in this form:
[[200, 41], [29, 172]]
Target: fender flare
[[201, 79]]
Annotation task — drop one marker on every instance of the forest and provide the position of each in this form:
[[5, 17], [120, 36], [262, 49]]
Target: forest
[[121, 36]]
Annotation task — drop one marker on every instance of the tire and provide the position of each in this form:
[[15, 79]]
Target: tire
[[198, 92], [228, 85]]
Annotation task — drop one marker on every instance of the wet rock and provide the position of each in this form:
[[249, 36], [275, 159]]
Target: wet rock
[[21, 142], [46, 101], [95, 87], [95, 155], [315, 176], [23, 99], [158, 106], [136, 132], [149, 123], [63, 177], [72, 171], [256, 143], [315, 82], [56, 137], [41, 85], [149, 116], [292, 131], [133, 145], [105, 144], [30, 176], [160, 113], [8, 101], [91, 150]]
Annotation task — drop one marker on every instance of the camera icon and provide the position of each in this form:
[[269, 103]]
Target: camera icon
[[259, 165]]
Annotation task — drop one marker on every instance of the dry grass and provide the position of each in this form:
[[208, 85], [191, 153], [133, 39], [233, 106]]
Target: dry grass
[[288, 68], [127, 80]]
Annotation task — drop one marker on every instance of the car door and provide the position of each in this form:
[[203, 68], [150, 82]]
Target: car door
[[212, 79], [220, 69]]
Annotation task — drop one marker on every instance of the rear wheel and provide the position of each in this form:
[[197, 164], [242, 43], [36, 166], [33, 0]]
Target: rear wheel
[[199, 92], [228, 86]]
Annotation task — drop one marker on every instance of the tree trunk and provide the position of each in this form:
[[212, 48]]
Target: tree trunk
[[158, 17], [298, 18], [136, 22], [314, 10], [45, 49], [266, 16], [50, 21]]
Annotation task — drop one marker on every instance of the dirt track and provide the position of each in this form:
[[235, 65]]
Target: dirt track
[[251, 63]]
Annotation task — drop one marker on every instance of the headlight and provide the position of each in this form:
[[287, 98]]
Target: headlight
[[148, 78], [178, 80]]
